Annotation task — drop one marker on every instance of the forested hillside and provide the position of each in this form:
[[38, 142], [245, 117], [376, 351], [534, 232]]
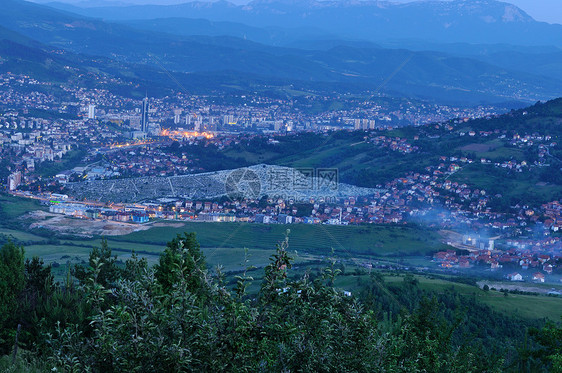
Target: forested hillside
[[182, 316]]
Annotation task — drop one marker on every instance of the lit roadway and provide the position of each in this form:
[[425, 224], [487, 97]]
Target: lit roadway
[[169, 135], [133, 144]]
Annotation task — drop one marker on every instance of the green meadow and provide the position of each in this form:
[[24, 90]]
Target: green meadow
[[525, 306], [370, 240]]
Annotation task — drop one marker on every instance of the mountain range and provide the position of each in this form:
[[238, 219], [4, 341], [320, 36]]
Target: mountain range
[[198, 51], [469, 21]]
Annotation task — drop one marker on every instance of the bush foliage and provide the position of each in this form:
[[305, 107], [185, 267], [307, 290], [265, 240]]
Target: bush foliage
[[179, 316]]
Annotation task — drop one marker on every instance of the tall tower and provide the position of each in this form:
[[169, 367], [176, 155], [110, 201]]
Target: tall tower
[[144, 115], [91, 111], [177, 114]]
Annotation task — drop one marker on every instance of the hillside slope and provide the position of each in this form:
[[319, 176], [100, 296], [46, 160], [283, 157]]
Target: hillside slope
[[427, 75]]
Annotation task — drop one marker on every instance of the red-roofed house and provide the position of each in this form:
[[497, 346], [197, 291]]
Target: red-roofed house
[[539, 277]]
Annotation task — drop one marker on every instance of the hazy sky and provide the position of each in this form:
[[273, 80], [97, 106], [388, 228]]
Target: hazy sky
[[542, 10]]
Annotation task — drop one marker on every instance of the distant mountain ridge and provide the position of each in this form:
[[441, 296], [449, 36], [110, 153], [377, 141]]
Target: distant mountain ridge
[[422, 74], [470, 21]]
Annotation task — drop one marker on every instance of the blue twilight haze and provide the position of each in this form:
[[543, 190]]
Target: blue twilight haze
[[542, 10]]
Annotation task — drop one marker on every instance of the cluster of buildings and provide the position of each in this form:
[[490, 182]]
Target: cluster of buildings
[[343, 212], [215, 113], [28, 142], [39, 124], [86, 211], [541, 265], [138, 161], [553, 215], [15, 92], [396, 144]]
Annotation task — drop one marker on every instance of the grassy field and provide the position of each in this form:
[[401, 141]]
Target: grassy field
[[62, 256], [522, 186], [58, 253], [11, 209], [14, 207], [339, 153], [503, 153], [372, 240], [21, 235], [223, 243], [526, 306], [118, 245]]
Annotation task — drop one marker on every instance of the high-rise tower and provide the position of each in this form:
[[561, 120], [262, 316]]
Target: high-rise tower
[[144, 113], [91, 111]]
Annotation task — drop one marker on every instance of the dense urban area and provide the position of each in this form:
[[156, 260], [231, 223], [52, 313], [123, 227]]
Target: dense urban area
[[100, 156]]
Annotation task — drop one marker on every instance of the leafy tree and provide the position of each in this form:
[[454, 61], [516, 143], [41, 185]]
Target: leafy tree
[[12, 282], [109, 271], [549, 339], [182, 255], [39, 286], [38, 277], [134, 267]]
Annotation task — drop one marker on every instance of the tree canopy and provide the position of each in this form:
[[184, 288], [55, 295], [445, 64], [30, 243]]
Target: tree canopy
[[180, 316]]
